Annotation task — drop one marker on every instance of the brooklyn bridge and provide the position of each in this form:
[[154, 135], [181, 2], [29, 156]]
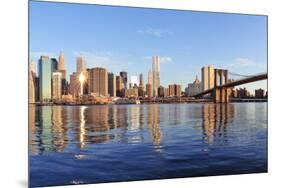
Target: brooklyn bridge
[[224, 81]]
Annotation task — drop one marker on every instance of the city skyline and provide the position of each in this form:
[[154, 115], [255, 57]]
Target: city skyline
[[183, 48]]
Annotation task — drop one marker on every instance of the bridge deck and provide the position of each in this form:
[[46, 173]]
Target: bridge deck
[[236, 83]]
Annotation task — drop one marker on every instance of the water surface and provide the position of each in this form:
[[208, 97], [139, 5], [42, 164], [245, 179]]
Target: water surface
[[107, 143]]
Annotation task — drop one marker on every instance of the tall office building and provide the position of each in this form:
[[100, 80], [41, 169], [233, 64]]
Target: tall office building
[[54, 63], [32, 67], [207, 74], [149, 91], [61, 62], [120, 88], [80, 64], [61, 69], [98, 81], [31, 83], [74, 85], [174, 90], [141, 90], [161, 91], [155, 74], [56, 85], [193, 88], [45, 78], [124, 77], [111, 85], [260, 93], [150, 78], [141, 81]]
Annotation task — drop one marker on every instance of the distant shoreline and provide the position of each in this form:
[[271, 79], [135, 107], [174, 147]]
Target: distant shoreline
[[189, 102]]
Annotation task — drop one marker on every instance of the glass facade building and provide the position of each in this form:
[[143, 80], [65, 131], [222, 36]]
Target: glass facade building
[[45, 78]]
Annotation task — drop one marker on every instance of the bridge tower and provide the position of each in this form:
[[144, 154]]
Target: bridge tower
[[221, 94]]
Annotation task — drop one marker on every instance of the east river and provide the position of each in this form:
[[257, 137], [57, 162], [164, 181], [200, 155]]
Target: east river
[[109, 143]]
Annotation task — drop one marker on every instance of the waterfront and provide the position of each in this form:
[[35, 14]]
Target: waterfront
[[105, 143]]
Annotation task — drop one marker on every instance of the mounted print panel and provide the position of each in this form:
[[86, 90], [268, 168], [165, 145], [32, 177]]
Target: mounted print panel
[[125, 93]]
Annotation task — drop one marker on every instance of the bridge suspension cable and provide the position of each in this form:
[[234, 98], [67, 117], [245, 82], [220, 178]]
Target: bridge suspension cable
[[241, 75]]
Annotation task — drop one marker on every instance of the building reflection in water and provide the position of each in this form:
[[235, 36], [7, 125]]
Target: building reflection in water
[[53, 128], [82, 130], [33, 130], [153, 119], [215, 118], [134, 117], [59, 128]]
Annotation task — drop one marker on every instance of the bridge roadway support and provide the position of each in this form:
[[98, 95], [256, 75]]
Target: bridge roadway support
[[221, 94]]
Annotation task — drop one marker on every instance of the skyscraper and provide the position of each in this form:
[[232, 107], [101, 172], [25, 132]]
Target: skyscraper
[[32, 83], [150, 78], [141, 87], [61, 62], [193, 88], [54, 63], [124, 77], [141, 80], [32, 67], [111, 85], [45, 78], [161, 91], [80, 64], [56, 85], [155, 74], [175, 90], [207, 74], [149, 91], [120, 89], [61, 69], [98, 81], [74, 85]]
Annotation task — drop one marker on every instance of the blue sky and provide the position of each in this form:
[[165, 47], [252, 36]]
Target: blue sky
[[121, 38]]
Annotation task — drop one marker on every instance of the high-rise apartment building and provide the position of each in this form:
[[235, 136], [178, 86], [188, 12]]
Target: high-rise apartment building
[[98, 81], [111, 85], [45, 78], [207, 77], [155, 74], [56, 85]]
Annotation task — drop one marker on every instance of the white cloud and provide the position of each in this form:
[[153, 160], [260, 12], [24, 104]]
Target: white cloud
[[156, 32], [242, 62], [165, 59], [104, 59]]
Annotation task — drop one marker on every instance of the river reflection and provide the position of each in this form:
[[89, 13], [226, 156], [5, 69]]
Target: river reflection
[[145, 141], [215, 118], [54, 127]]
